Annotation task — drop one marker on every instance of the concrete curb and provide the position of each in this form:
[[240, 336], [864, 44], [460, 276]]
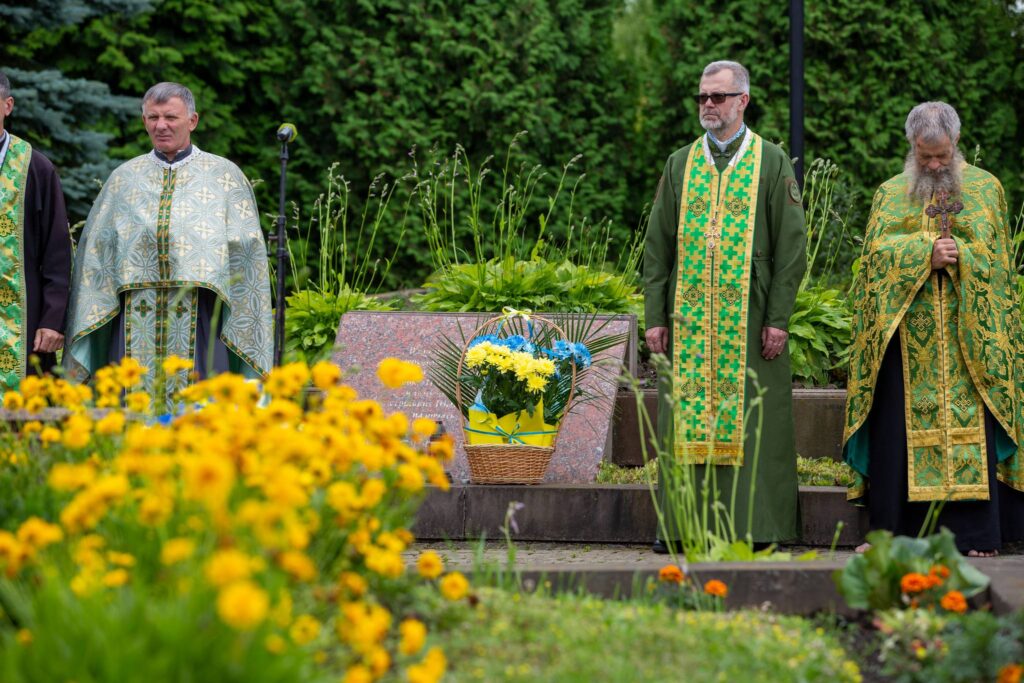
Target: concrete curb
[[599, 513]]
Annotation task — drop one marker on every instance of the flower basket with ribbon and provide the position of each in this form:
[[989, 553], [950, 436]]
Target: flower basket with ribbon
[[515, 380]]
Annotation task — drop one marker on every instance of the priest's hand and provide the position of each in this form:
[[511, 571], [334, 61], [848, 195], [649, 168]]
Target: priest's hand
[[657, 339], [773, 341], [944, 253], [48, 341]]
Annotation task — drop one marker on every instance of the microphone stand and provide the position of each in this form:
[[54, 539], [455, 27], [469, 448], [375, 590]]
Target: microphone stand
[[282, 252]]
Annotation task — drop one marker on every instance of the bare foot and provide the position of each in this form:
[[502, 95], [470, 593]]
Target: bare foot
[[864, 547], [982, 553]]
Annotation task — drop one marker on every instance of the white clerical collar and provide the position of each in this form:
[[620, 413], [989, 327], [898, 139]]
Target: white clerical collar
[[178, 162], [5, 142], [747, 139], [725, 143]]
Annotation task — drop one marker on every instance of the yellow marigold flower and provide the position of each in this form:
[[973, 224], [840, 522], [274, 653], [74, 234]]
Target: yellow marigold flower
[[208, 478], [354, 585], [954, 601], [384, 562], [281, 410], [12, 553], [172, 365], [37, 533], [275, 644], [379, 661], [414, 634], [393, 373], [49, 435], [111, 423], [177, 550], [442, 448], [670, 573], [32, 386], [31, 427], [23, 637], [71, 477], [137, 401], [454, 586], [358, 674], [13, 400], [430, 670], [35, 404], [115, 578], [228, 566], [305, 629], [129, 372], [243, 605], [429, 564], [410, 478], [325, 375], [120, 559], [716, 588], [423, 427], [372, 493], [298, 565], [154, 509]]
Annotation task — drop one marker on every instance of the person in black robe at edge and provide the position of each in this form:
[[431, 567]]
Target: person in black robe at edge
[[46, 243]]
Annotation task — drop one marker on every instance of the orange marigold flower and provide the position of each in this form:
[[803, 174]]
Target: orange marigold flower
[[1011, 673], [670, 573], [940, 571], [914, 583], [954, 601], [716, 588]]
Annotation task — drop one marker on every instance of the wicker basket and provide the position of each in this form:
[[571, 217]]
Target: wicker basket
[[509, 463]]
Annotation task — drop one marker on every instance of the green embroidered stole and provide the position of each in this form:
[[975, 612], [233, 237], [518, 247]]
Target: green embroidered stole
[[716, 227], [13, 177], [159, 318], [946, 449]]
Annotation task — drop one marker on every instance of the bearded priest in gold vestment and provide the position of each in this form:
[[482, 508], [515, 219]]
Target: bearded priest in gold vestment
[[936, 391]]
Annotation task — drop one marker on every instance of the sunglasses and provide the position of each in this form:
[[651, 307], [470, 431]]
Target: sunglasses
[[716, 97]]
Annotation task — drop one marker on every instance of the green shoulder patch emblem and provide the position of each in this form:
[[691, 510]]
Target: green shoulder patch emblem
[[794, 190]]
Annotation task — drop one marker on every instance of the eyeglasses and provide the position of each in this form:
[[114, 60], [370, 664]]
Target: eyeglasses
[[716, 97]]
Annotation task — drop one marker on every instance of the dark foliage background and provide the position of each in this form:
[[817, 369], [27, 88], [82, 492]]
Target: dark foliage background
[[367, 81]]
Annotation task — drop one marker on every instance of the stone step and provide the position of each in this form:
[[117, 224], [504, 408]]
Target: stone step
[[818, 417], [617, 571], [599, 513]]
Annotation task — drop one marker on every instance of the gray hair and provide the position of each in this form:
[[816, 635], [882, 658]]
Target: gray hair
[[5, 86], [931, 121], [163, 92], [740, 75]]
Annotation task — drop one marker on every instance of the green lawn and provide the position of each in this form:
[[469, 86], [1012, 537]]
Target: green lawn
[[516, 637]]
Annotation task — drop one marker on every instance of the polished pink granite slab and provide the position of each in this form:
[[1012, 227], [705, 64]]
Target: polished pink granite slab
[[367, 337]]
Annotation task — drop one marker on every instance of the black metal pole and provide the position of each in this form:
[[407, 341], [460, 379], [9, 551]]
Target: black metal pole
[[282, 260], [796, 86]]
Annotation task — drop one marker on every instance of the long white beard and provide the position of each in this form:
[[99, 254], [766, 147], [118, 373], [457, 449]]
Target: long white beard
[[923, 184], [723, 121]]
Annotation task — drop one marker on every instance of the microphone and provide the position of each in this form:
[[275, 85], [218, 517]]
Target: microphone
[[287, 132]]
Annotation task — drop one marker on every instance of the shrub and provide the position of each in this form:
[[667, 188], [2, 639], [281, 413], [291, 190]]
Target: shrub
[[235, 542]]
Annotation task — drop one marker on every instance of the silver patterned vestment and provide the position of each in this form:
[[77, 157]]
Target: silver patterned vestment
[[158, 234]]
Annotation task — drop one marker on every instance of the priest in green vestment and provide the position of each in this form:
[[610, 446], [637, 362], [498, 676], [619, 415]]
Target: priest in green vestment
[[724, 256], [936, 389], [172, 260], [35, 255]]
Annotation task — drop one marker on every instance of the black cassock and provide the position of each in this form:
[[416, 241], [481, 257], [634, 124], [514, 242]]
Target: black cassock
[[47, 256], [979, 525]]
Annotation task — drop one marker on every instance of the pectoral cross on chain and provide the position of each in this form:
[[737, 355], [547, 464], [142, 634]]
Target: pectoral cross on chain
[[945, 210], [713, 233]]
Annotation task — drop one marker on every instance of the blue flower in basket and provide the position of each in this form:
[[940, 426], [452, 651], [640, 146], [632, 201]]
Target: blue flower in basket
[[563, 350]]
